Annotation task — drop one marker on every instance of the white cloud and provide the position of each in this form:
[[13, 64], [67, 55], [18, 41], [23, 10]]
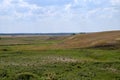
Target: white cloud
[[76, 1], [22, 3], [115, 2], [93, 1], [92, 12], [102, 13], [35, 10], [68, 6], [20, 9], [12, 8], [6, 3]]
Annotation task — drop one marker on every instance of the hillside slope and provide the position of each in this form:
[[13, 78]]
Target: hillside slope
[[108, 39]]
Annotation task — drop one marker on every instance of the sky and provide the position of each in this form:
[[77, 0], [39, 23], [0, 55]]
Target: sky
[[57, 16]]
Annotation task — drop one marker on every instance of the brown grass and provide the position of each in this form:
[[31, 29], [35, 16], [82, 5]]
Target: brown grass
[[99, 39]]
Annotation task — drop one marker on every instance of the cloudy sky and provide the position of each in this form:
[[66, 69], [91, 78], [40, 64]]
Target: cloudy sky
[[41, 16]]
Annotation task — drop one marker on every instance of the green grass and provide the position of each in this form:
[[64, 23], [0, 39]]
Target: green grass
[[22, 62]]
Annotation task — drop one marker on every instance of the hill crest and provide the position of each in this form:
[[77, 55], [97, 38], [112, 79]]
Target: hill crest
[[89, 40]]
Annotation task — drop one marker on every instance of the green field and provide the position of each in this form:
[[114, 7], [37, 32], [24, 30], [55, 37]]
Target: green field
[[32, 58]]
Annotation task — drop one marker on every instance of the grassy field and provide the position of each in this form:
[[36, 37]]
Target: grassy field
[[31, 58]]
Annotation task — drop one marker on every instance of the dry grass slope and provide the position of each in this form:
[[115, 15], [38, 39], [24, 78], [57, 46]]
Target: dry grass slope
[[109, 39]]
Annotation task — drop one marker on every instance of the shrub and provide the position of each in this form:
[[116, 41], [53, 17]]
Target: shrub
[[50, 76], [3, 73], [26, 76], [4, 49], [19, 52]]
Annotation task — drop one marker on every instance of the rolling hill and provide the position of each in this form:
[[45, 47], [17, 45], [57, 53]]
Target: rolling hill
[[108, 39]]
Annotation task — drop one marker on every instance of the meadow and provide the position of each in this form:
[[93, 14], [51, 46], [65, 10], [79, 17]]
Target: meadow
[[32, 58]]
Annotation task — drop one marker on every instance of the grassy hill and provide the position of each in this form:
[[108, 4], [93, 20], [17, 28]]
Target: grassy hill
[[109, 39], [51, 57]]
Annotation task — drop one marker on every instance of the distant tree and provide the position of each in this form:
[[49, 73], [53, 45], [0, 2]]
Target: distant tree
[[82, 33], [73, 34], [0, 38]]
